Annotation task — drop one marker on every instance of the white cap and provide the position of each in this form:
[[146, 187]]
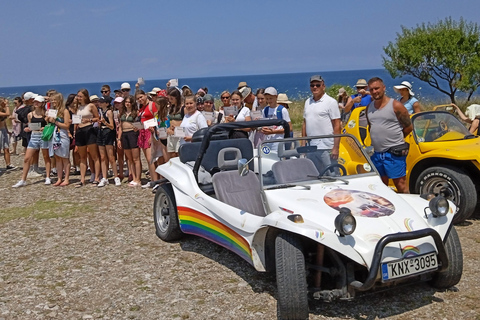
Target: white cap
[[125, 85], [29, 95], [39, 98], [271, 91], [93, 97], [118, 99]]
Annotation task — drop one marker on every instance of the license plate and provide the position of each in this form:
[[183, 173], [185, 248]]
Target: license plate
[[409, 266]]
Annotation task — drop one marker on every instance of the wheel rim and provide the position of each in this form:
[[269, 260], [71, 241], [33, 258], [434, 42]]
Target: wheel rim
[[162, 221], [435, 185]]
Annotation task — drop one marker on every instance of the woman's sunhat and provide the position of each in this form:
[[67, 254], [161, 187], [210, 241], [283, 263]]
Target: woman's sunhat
[[404, 85]]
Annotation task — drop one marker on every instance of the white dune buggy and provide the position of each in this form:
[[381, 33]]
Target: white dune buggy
[[328, 231]]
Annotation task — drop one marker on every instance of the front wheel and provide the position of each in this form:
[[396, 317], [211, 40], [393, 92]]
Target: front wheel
[[165, 214], [291, 277], [454, 184], [452, 275]]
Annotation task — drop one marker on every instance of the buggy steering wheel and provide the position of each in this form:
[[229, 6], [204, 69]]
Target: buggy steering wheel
[[334, 165]]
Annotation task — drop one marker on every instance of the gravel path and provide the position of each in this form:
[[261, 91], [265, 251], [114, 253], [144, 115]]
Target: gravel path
[[92, 253]]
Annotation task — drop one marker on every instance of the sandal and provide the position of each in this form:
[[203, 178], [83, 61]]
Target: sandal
[[133, 184], [95, 182], [79, 185]]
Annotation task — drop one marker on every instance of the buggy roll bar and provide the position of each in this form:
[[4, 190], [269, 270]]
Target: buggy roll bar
[[232, 126]]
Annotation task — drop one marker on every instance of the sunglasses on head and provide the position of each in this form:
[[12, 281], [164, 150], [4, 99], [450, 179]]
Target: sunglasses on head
[[315, 85]]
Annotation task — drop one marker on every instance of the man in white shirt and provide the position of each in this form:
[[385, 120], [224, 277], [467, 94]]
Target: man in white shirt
[[321, 116]]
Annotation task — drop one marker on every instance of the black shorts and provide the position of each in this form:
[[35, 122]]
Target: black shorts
[[106, 137], [85, 136], [129, 140]]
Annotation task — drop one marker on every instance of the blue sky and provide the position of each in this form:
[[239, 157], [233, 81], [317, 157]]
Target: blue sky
[[56, 42]]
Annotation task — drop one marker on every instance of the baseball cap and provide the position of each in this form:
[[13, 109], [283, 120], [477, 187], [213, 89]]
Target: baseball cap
[[93, 97], [200, 100], [271, 91], [154, 91], [29, 95], [118, 99], [39, 98], [105, 99], [316, 78], [208, 97], [125, 85]]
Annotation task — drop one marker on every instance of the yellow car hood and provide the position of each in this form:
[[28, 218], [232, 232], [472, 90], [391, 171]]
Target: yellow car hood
[[467, 149]]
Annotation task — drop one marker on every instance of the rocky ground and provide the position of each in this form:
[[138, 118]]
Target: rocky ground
[[92, 253]]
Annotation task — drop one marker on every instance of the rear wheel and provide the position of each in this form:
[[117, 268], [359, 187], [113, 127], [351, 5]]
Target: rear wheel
[[165, 214], [291, 277], [451, 276], [454, 184]]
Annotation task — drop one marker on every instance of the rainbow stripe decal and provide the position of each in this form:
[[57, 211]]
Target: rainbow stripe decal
[[410, 251], [199, 224]]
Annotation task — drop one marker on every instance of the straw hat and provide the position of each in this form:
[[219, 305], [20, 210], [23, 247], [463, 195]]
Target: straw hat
[[361, 83], [283, 98], [341, 92], [404, 85]]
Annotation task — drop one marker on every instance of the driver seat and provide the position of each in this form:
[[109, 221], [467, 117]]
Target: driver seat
[[242, 192], [294, 170]]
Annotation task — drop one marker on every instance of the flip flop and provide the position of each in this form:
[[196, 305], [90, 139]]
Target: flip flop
[[79, 185]]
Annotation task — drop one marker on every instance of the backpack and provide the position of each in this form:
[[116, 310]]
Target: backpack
[[278, 112], [23, 114]]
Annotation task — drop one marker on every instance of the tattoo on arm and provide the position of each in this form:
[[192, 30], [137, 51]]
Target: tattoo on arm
[[404, 119]]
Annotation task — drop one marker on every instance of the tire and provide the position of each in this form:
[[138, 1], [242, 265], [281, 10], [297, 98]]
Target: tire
[[459, 186], [291, 278], [453, 274], [167, 226]]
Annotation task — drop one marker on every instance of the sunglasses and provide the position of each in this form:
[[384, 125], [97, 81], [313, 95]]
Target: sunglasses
[[125, 90], [105, 91], [316, 85], [226, 97]]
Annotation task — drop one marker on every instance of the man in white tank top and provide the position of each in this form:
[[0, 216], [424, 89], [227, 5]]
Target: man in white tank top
[[389, 124]]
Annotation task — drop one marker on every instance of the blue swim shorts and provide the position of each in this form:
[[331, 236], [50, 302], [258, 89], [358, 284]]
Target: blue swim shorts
[[389, 165]]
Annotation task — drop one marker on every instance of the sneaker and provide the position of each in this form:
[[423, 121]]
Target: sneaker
[[19, 184], [102, 183], [147, 185], [33, 174], [118, 182], [48, 181], [10, 167]]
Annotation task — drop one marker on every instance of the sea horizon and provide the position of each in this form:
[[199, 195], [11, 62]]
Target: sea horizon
[[295, 84]]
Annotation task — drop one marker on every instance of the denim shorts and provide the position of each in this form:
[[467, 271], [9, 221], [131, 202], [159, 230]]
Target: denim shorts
[[390, 166], [36, 142]]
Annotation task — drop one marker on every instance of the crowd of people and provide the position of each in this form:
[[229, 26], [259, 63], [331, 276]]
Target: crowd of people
[[107, 135]]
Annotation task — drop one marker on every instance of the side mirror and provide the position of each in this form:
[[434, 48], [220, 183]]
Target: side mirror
[[242, 167]]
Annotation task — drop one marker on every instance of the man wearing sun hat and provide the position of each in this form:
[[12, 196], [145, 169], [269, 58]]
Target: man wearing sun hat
[[361, 99], [321, 117], [405, 90]]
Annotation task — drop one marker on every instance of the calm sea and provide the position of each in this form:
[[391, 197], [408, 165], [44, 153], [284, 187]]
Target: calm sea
[[296, 85]]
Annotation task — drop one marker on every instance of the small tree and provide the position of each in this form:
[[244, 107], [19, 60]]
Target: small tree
[[445, 55]]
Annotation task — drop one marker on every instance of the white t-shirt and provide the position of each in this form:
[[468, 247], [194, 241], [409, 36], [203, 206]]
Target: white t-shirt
[[318, 117], [192, 123], [243, 114]]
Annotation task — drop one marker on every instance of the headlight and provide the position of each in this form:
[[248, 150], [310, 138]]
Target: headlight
[[439, 206], [345, 222]]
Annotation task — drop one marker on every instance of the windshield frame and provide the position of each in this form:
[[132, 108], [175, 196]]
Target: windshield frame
[[435, 113], [261, 155]]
